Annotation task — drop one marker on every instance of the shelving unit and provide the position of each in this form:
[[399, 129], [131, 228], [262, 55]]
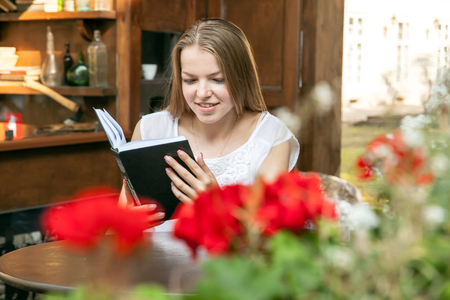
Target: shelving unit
[[40, 15], [46, 166], [63, 90]]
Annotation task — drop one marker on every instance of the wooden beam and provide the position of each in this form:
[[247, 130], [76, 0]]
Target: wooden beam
[[322, 28], [291, 52], [129, 40]]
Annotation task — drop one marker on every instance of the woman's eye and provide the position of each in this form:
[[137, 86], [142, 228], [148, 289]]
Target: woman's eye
[[219, 80], [188, 81]]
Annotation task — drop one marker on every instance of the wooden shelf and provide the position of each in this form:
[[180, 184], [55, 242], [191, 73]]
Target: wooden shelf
[[64, 15], [55, 140], [63, 90]]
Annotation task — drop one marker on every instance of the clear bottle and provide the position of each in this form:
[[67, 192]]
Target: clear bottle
[[102, 5], [83, 5], [50, 69], [98, 62], [68, 61]]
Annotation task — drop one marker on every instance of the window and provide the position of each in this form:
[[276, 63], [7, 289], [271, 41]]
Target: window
[[401, 71], [353, 49], [442, 60]]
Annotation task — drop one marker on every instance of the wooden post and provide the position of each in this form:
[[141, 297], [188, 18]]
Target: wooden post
[[129, 40], [322, 28]]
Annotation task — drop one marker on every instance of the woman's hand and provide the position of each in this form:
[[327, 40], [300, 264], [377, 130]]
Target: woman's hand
[[189, 190], [126, 200]]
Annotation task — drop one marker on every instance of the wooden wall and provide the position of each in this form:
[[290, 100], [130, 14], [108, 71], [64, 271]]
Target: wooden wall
[[43, 175], [294, 41]]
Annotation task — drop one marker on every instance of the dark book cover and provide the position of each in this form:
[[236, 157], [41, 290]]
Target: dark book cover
[[145, 174]]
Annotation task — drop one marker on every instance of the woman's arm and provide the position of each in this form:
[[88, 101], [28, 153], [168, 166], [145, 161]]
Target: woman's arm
[[275, 163]]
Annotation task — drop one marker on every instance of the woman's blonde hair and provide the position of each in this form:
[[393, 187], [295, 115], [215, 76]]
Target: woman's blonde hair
[[233, 52]]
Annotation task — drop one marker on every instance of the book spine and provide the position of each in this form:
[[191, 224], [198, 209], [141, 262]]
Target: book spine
[[125, 176]]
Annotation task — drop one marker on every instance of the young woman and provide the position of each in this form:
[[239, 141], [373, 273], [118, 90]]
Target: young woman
[[216, 103]]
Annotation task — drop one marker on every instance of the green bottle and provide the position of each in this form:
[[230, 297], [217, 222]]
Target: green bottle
[[78, 74]]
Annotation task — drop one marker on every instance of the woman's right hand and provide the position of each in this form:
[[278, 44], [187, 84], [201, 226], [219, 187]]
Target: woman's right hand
[[126, 200]]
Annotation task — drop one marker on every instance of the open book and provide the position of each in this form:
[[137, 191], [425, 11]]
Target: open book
[[142, 164]]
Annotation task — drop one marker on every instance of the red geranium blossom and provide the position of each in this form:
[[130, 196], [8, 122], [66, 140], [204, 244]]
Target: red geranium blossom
[[211, 220], [82, 221], [293, 200], [397, 161], [218, 218]]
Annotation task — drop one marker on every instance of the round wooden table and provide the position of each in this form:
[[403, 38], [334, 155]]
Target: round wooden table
[[51, 267]]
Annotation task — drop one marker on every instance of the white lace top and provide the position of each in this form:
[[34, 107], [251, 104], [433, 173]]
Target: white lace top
[[241, 165]]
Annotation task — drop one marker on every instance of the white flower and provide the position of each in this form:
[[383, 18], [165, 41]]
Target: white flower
[[362, 217], [440, 164], [382, 151], [322, 94], [433, 103], [291, 120], [418, 122], [412, 127], [357, 216], [440, 89], [413, 138], [340, 257], [433, 214]]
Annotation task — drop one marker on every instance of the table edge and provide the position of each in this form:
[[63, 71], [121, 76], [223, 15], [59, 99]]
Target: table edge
[[41, 288]]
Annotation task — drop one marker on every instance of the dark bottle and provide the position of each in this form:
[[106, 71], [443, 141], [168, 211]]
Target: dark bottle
[[78, 74], [68, 62]]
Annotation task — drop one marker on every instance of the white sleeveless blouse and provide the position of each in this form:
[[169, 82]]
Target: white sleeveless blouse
[[241, 165]]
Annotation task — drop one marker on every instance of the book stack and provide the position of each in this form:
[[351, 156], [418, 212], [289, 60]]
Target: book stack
[[7, 6], [8, 57], [20, 73], [30, 5]]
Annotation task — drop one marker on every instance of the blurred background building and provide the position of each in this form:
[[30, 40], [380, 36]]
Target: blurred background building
[[393, 51]]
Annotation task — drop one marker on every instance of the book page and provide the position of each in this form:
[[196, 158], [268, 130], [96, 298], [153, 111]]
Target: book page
[[116, 125], [110, 130], [148, 143]]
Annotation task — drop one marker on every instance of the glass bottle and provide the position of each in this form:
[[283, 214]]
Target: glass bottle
[[50, 69], [68, 62], [102, 5], [78, 74], [98, 62], [83, 5]]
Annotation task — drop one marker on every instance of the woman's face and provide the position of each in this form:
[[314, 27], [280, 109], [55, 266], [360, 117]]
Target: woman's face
[[204, 86]]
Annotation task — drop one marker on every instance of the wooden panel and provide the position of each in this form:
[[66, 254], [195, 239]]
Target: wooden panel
[[262, 23], [40, 176], [322, 25], [272, 28], [171, 15]]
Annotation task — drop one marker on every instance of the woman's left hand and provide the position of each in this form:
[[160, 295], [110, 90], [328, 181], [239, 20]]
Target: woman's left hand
[[189, 190]]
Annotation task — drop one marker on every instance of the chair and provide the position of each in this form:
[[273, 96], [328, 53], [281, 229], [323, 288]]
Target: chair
[[340, 189]]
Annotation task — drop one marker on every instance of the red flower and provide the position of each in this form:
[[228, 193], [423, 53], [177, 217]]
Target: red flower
[[211, 220], [218, 219], [82, 221], [292, 201], [397, 161]]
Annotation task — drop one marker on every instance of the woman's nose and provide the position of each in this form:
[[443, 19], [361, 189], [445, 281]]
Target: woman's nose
[[204, 90]]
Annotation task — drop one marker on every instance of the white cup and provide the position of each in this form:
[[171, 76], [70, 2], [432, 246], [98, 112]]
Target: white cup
[[149, 71]]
